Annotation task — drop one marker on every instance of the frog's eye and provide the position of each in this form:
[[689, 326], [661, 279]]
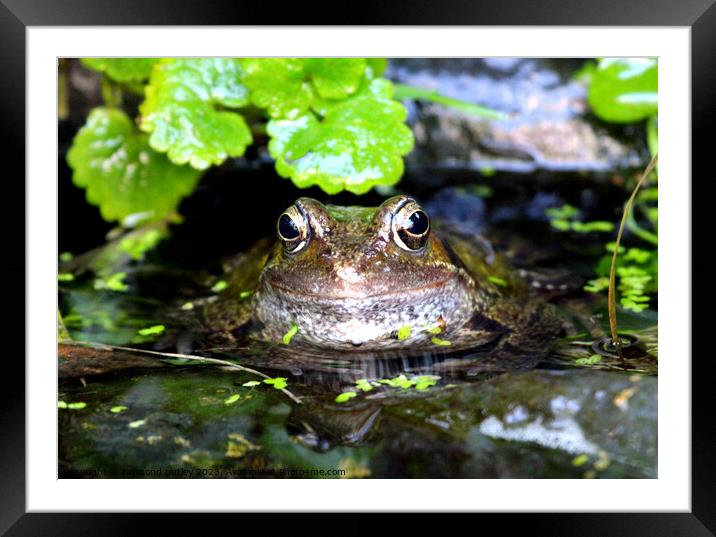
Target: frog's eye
[[292, 228], [411, 227]]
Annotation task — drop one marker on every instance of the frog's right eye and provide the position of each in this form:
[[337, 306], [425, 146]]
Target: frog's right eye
[[293, 229]]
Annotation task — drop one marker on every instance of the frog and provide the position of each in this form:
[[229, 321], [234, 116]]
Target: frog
[[354, 279]]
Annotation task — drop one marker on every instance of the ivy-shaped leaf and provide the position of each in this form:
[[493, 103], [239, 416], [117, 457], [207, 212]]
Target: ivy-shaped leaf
[[279, 85], [185, 110], [358, 144], [122, 69], [121, 173], [336, 78], [287, 87], [624, 90]]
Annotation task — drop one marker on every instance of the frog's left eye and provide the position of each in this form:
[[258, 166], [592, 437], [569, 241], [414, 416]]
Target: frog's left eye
[[411, 227], [293, 230]]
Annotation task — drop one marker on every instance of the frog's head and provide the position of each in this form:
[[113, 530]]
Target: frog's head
[[352, 275]]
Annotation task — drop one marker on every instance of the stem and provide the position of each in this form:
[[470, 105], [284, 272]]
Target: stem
[[611, 300], [202, 359], [403, 91]]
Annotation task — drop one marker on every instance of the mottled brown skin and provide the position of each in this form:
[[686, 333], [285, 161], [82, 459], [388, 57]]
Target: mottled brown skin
[[351, 287]]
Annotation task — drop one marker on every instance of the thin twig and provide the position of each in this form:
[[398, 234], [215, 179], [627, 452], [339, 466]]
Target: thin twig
[[190, 357], [611, 299]]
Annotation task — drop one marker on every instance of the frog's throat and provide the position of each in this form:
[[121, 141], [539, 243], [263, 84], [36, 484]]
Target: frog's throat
[[366, 321]]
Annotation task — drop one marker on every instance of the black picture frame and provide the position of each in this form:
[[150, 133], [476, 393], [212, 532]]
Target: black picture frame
[[17, 15]]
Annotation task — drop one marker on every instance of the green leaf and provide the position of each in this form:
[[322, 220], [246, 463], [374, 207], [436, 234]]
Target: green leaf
[[122, 69], [404, 332], [121, 173], [65, 277], [76, 406], [152, 330], [251, 383], [440, 342], [279, 382], [61, 404], [113, 282], [279, 85], [403, 91], [624, 90], [364, 385], [185, 110], [118, 409], [497, 281], [336, 78], [345, 396], [232, 399], [288, 336], [357, 145], [136, 424], [219, 286]]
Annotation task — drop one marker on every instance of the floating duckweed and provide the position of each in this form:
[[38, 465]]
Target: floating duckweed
[[580, 460], [404, 332], [187, 306], [364, 385], [441, 342], [136, 424], [61, 404], [345, 396], [219, 286], [114, 282], [592, 360], [245, 294], [251, 383], [425, 382], [65, 277], [117, 409], [152, 330], [278, 382], [76, 406], [231, 400], [66, 256], [497, 281], [288, 336]]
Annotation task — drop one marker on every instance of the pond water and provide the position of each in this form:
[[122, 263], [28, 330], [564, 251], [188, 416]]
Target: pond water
[[425, 416]]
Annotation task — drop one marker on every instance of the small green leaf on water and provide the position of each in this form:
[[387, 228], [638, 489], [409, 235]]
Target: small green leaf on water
[[65, 277], [66, 256], [152, 330], [121, 69], [117, 409], [76, 406], [251, 383], [364, 385], [244, 294], [219, 286], [61, 404], [231, 400], [580, 460], [404, 332], [136, 424], [278, 382], [497, 281], [592, 360], [187, 306], [441, 342], [288, 336], [114, 282], [345, 396]]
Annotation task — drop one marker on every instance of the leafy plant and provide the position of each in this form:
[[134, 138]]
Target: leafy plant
[[336, 123], [625, 90]]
